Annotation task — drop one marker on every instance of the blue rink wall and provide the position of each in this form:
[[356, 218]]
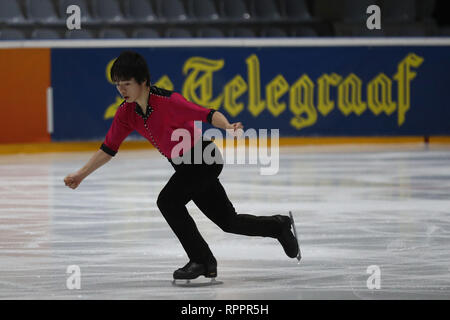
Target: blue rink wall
[[302, 91]]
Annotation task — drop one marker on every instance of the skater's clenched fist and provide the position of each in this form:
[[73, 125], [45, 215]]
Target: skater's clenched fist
[[237, 125], [233, 129], [72, 180]]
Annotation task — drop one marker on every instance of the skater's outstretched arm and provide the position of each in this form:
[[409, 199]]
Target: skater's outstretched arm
[[99, 158]]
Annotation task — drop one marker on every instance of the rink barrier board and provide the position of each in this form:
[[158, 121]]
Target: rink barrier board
[[25, 77], [331, 91], [95, 126], [283, 141], [241, 42]]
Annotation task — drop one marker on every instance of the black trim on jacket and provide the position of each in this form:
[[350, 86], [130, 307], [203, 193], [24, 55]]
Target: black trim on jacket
[[210, 115], [108, 150]]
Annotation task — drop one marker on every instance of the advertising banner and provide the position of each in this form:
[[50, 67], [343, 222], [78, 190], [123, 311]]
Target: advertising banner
[[302, 91]]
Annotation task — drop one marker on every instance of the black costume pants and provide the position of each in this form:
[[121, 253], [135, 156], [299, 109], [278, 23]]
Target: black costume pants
[[200, 183]]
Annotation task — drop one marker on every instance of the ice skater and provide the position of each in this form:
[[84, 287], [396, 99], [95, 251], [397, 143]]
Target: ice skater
[[155, 113]]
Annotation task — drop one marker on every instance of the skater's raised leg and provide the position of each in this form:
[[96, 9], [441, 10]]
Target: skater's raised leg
[[214, 203]]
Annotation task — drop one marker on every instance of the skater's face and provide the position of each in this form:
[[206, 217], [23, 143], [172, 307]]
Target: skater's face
[[130, 90]]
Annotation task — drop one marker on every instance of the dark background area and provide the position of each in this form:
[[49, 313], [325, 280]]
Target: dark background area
[[119, 19]]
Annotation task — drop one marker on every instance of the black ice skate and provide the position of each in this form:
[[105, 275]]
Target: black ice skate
[[299, 255], [288, 238], [193, 270]]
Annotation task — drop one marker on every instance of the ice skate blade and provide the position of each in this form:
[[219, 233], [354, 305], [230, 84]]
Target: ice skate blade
[[299, 256], [195, 283]]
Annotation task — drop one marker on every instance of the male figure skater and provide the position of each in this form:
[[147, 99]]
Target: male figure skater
[[155, 113]]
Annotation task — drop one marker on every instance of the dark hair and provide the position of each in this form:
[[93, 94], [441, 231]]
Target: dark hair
[[130, 65]]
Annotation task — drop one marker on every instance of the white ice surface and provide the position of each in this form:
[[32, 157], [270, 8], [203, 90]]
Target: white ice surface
[[354, 206]]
